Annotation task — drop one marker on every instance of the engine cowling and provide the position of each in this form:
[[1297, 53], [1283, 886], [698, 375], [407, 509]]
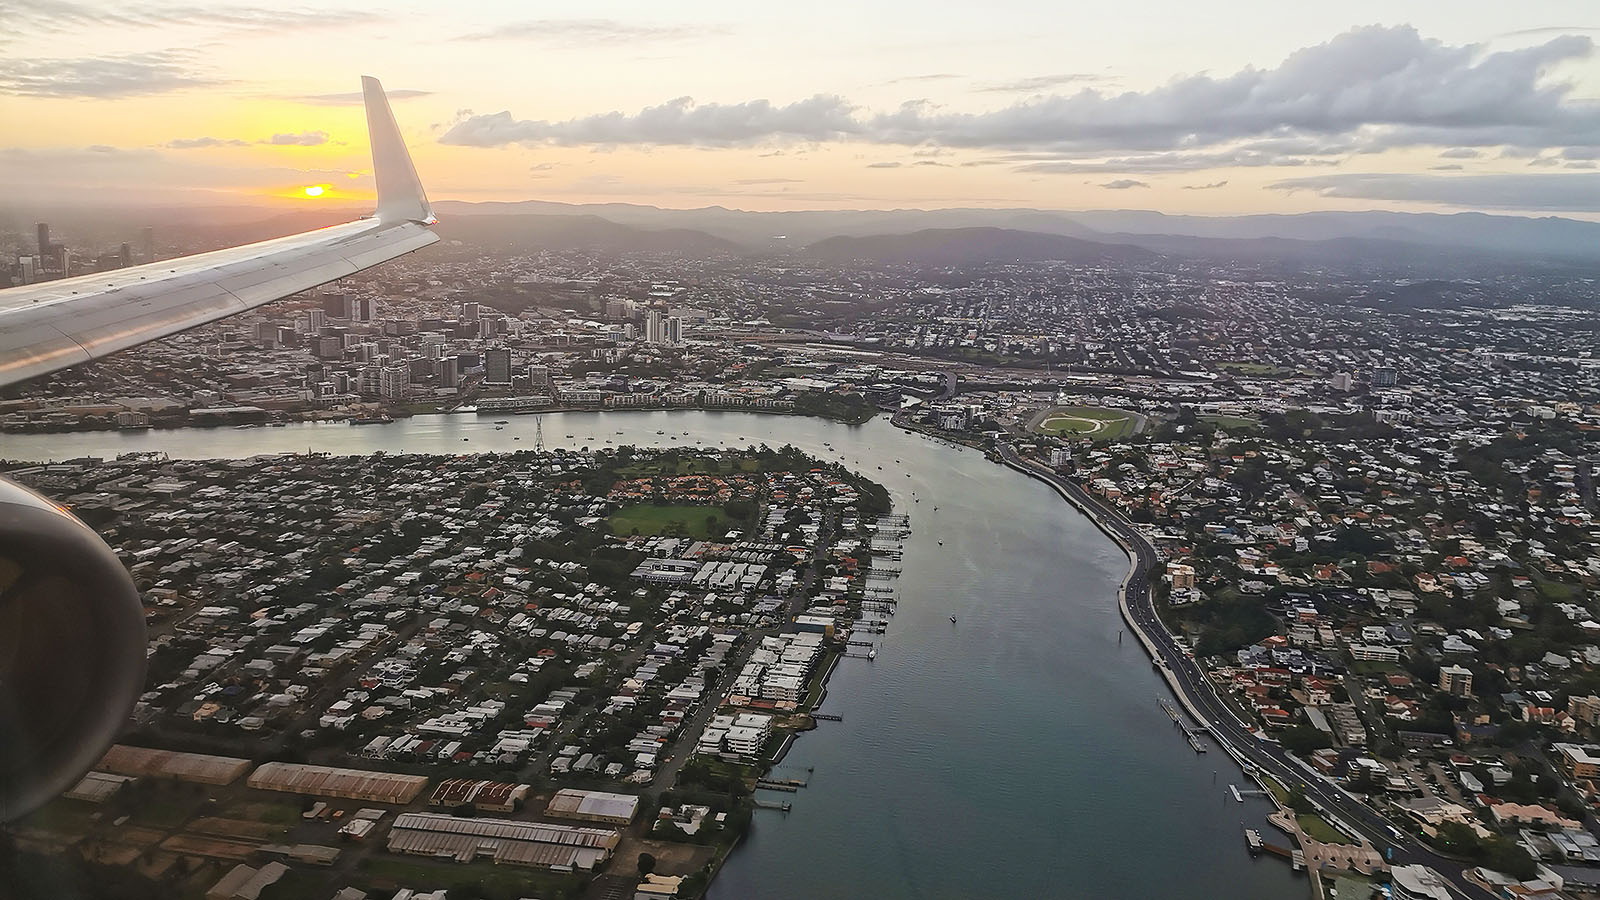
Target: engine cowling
[[72, 649]]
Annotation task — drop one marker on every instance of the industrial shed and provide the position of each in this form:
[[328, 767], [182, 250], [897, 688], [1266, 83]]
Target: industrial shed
[[198, 767], [326, 781], [593, 806], [540, 844], [493, 795]]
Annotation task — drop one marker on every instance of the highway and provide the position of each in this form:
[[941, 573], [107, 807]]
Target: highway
[[1223, 724]]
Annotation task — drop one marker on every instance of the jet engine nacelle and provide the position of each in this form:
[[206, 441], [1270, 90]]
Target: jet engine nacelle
[[72, 649]]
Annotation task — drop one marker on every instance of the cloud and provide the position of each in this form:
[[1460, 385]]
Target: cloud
[[353, 98], [1554, 192], [1461, 153], [1122, 184], [128, 75], [60, 16], [884, 165], [1449, 167], [1370, 88], [1251, 155], [203, 142], [1205, 187], [911, 79], [769, 181], [591, 31], [302, 139], [679, 121], [1041, 82]]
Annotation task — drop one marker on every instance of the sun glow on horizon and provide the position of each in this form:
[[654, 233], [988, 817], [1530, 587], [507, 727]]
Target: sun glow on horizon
[[314, 190]]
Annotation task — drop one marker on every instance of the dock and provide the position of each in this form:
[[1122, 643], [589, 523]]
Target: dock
[[772, 804], [1252, 840], [1190, 733], [1235, 789], [827, 717]]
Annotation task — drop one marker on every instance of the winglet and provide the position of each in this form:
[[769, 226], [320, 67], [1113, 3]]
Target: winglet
[[400, 194]]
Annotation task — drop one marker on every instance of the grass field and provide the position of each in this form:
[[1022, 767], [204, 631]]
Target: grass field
[[1317, 828], [689, 521], [1089, 421], [1240, 367]]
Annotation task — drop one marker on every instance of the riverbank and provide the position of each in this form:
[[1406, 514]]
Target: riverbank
[[1016, 753]]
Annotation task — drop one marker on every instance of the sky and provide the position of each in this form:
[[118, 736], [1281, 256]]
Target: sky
[[1244, 106]]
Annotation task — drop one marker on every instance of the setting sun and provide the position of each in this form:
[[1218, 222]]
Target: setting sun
[[314, 190]]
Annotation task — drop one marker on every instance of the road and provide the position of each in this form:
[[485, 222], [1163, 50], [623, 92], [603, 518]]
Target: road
[[1224, 726]]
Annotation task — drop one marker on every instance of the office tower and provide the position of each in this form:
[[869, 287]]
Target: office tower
[[394, 382], [497, 366], [653, 327], [674, 331], [44, 239], [469, 312], [364, 309], [148, 239], [539, 374], [338, 305], [125, 255], [449, 373], [319, 320]]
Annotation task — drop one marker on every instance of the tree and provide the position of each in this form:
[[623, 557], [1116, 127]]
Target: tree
[[647, 863], [1302, 739], [1298, 801], [1505, 855]]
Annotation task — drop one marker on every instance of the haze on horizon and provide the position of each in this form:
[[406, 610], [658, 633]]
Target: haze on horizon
[[1242, 107]]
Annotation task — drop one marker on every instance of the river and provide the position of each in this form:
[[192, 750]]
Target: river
[[1016, 753]]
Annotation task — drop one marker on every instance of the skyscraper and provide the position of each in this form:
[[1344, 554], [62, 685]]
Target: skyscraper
[[147, 237], [654, 330], [497, 366], [674, 331]]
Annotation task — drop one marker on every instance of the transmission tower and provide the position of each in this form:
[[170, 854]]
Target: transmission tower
[[538, 434]]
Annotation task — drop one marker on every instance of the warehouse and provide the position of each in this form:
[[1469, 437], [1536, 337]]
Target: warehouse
[[491, 795], [559, 847], [593, 806], [325, 781], [198, 767]]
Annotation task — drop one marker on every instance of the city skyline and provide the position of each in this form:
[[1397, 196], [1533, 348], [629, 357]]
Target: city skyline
[[1452, 107]]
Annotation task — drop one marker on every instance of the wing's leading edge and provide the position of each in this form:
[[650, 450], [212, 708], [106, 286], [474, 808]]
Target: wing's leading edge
[[51, 326]]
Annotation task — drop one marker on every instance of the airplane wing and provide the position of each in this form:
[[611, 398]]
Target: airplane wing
[[56, 324]]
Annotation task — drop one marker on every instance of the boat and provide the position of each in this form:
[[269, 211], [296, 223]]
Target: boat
[[952, 620], [501, 422]]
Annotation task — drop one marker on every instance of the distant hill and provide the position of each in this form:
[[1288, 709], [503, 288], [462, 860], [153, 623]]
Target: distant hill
[[541, 232], [785, 229], [971, 246]]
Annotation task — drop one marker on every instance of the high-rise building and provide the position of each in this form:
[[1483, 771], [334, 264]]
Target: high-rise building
[[674, 331], [43, 230], [469, 312], [394, 382], [497, 366], [147, 238], [1384, 376], [449, 373], [319, 320], [363, 309], [1456, 680], [125, 255], [1341, 381], [654, 328], [338, 305]]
